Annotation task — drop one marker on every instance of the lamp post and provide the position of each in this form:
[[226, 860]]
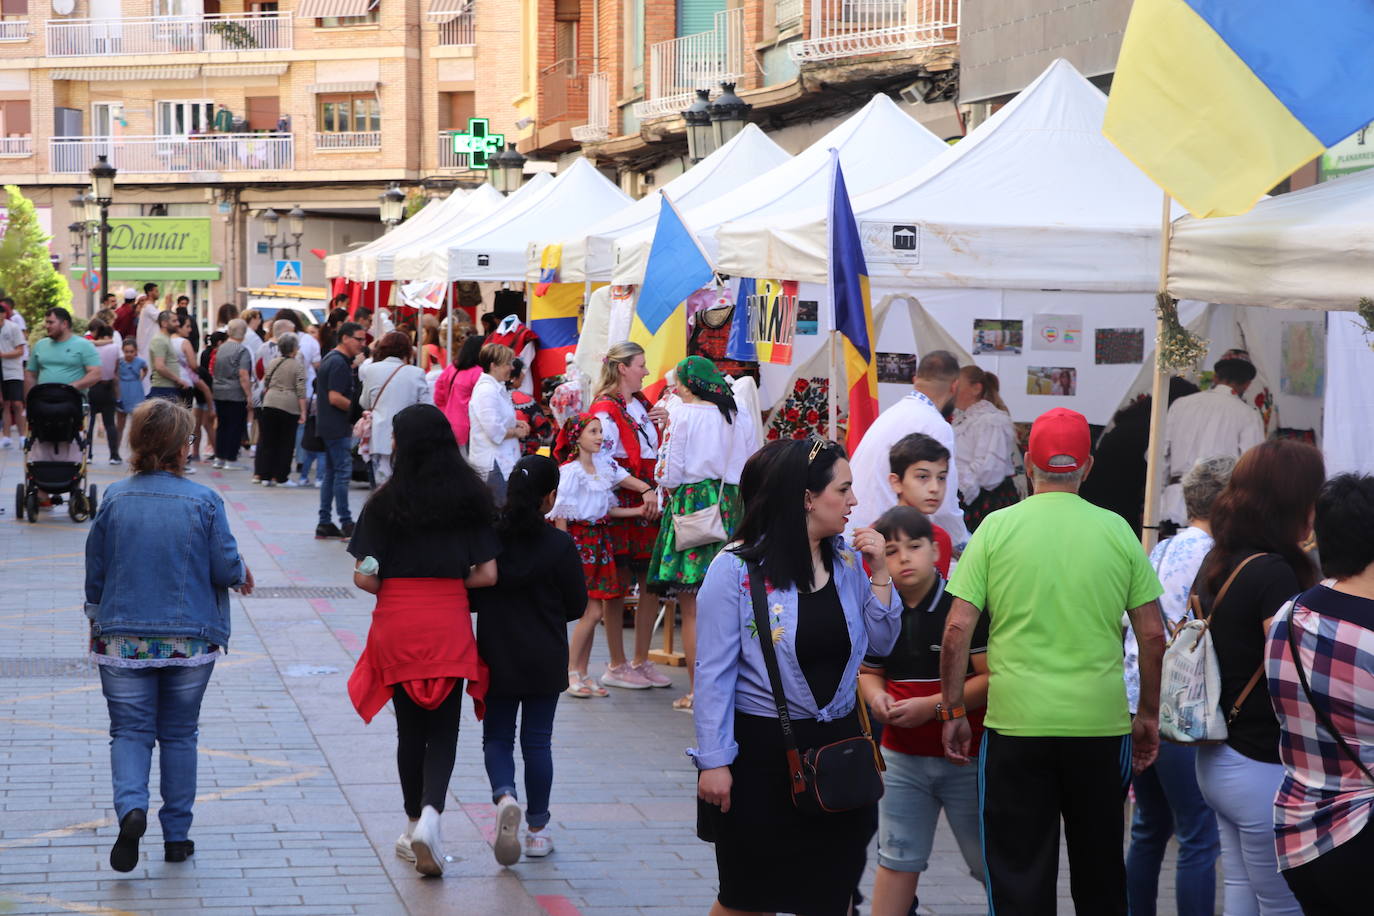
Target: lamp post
[[509, 171], [92, 209], [102, 184], [700, 137], [729, 114], [391, 206], [78, 230], [295, 224]]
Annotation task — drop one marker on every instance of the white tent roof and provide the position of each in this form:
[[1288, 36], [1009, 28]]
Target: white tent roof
[[379, 264], [877, 144], [336, 265], [1034, 198], [587, 255], [427, 258], [1312, 249]]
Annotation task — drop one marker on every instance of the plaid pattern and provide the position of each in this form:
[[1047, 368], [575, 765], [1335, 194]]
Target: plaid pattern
[[1324, 800]]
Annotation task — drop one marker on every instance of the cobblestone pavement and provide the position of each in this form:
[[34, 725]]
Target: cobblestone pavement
[[299, 805]]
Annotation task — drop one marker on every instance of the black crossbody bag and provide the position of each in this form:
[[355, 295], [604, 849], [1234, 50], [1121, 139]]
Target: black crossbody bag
[[835, 777]]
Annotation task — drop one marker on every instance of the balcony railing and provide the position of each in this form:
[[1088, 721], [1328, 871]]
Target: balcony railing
[[15, 30], [157, 155], [679, 67], [563, 91], [16, 147], [168, 35], [448, 159], [598, 126], [787, 13], [458, 31], [849, 28], [349, 140]]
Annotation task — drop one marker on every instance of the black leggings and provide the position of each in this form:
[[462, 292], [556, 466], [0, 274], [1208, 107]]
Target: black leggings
[[426, 745], [1325, 886], [103, 406]]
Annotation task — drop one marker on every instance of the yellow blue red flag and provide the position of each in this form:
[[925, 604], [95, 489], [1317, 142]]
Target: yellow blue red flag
[[549, 260], [1219, 101], [853, 310], [553, 318]]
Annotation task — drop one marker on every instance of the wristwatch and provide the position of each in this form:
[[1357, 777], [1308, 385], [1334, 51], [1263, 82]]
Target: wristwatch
[[946, 713]]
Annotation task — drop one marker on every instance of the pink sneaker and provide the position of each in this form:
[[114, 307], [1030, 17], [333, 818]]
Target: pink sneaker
[[625, 676], [651, 674]]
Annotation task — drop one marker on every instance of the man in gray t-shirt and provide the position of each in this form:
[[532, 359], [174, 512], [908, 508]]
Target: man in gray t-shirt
[[12, 342], [233, 390]]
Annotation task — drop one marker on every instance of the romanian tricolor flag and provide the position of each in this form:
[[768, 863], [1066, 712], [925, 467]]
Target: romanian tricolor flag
[[549, 260], [853, 310], [1218, 101], [677, 267]]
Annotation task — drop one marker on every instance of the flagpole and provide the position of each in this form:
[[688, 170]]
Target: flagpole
[[834, 409], [1159, 394]]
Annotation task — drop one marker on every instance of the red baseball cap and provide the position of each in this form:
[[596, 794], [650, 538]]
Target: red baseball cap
[[1060, 433]]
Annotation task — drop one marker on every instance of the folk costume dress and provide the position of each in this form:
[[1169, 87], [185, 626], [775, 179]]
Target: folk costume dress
[[985, 450], [631, 439], [584, 499]]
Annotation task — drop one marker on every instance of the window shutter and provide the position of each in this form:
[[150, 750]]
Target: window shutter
[[18, 122], [263, 112], [695, 16], [14, 7], [567, 10]]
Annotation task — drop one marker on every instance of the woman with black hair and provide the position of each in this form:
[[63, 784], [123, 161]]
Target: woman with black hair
[[523, 638], [423, 539], [453, 389], [823, 614]]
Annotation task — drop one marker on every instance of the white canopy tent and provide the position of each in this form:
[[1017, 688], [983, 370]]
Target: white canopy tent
[[587, 255], [336, 265], [877, 144]]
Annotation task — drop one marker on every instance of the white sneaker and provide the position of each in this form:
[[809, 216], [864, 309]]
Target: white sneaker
[[230, 466], [538, 844], [190, 469], [424, 842], [507, 846], [6, 442], [403, 847], [292, 483], [116, 461], [217, 464]]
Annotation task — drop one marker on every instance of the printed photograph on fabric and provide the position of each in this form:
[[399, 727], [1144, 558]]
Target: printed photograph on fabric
[[1057, 332], [1058, 381], [1304, 359], [1116, 346], [997, 335], [808, 317], [896, 367]]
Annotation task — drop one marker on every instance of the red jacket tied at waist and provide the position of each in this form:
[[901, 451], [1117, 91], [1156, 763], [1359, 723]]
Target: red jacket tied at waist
[[421, 638]]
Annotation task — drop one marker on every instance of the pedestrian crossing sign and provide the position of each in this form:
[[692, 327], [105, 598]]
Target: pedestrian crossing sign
[[288, 273]]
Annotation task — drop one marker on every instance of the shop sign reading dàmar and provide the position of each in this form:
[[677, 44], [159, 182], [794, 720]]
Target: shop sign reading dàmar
[[160, 241]]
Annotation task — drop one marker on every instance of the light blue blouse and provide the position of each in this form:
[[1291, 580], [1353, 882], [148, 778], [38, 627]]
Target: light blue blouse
[[730, 671]]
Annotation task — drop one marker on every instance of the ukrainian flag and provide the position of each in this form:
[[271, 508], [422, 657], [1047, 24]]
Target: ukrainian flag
[[1218, 100], [853, 310]]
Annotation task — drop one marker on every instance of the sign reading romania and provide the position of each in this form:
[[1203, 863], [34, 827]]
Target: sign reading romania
[[160, 241]]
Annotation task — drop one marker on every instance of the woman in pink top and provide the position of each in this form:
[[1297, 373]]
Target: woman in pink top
[[453, 390]]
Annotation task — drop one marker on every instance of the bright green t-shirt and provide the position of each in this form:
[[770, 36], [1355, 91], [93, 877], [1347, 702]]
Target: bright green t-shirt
[[1055, 573], [62, 361]]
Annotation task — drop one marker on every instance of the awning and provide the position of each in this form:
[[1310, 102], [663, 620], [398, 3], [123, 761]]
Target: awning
[[200, 272], [444, 10], [324, 9], [244, 69], [124, 74], [356, 86]]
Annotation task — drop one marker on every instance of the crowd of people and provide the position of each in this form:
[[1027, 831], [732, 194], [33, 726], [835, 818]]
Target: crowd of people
[[947, 609]]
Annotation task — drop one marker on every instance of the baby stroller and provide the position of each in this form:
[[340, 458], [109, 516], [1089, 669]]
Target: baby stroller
[[56, 453]]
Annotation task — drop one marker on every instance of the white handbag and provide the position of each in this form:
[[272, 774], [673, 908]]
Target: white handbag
[[704, 526]]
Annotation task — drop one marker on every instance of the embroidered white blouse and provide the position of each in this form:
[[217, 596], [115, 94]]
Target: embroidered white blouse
[[985, 443], [700, 445], [639, 417], [584, 497]]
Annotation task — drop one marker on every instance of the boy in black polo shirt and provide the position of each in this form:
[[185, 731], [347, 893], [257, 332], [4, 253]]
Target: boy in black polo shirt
[[903, 690]]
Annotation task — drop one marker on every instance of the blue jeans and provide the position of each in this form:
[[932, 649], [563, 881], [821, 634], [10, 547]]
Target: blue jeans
[[162, 705], [536, 747], [307, 458], [916, 788], [338, 468], [1168, 803]]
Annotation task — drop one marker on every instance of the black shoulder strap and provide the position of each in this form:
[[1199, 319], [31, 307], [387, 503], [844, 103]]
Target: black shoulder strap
[[1322, 715], [770, 660]]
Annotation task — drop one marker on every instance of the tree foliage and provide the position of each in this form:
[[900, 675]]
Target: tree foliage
[[26, 271]]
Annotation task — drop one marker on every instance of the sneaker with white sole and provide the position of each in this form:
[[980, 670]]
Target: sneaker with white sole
[[403, 847], [217, 464], [231, 466], [292, 483], [6, 442], [625, 676], [507, 845], [538, 843], [425, 843], [650, 673]]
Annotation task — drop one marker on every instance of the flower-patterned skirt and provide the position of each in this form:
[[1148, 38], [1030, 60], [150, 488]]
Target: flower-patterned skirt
[[593, 540], [684, 570], [631, 538], [989, 501]]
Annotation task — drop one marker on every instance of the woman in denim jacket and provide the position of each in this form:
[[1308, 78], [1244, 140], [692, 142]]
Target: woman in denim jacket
[[156, 637], [824, 613]]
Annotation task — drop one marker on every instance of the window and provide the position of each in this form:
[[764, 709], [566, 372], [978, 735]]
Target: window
[[178, 119], [15, 9], [14, 119], [371, 16], [634, 24], [346, 113]]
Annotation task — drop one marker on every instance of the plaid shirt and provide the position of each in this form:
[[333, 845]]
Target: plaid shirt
[[1325, 800]]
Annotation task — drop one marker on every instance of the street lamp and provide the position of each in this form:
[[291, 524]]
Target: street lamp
[[78, 237], [92, 210], [270, 219], [102, 183], [391, 205], [509, 171], [700, 137], [729, 114], [83, 230]]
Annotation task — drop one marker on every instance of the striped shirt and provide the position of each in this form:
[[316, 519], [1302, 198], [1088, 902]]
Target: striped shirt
[[1325, 799]]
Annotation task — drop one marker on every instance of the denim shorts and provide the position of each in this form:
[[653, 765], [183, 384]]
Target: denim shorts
[[916, 789]]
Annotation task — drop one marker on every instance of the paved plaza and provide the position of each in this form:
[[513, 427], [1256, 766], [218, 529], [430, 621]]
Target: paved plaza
[[299, 803]]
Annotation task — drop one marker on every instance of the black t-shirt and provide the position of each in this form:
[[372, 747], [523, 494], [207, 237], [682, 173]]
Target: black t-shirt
[[822, 643], [334, 374], [404, 554], [916, 655], [1238, 635]]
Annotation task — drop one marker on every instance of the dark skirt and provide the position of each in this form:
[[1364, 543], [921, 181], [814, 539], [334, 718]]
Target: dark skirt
[[989, 501], [770, 857]]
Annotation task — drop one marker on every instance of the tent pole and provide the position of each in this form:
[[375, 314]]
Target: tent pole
[[834, 410], [448, 301], [1159, 404]]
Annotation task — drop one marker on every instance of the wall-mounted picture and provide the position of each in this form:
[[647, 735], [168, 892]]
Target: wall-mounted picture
[[1057, 332], [1303, 371], [808, 316], [896, 367], [1116, 346], [997, 335], [1058, 381]]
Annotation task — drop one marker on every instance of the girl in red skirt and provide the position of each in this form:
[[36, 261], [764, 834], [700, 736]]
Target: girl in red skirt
[[585, 505]]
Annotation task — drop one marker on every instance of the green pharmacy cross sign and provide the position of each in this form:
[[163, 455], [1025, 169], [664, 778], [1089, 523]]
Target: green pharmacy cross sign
[[478, 143]]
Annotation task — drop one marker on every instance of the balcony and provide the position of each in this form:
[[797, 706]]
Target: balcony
[[598, 126], [15, 30], [787, 13], [448, 159], [563, 92], [458, 31], [160, 155], [348, 141], [679, 67], [16, 147], [851, 28], [168, 35]]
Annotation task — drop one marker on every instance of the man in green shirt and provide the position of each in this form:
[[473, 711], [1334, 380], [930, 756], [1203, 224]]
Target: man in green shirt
[[62, 356], [1054, 574]]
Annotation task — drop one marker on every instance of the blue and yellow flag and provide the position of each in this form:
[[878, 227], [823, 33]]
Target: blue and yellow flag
[[853, 311], [1218, 101]]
